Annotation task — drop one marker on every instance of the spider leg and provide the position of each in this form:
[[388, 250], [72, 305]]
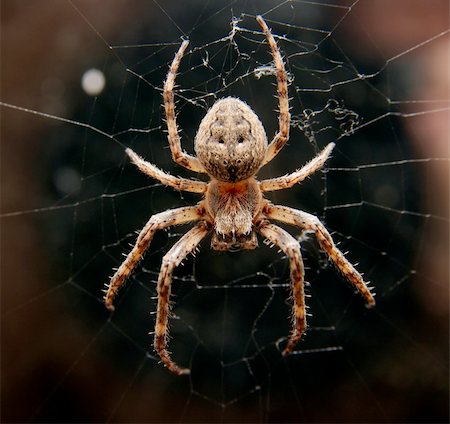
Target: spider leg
[[284, 118], [156, 222], [298, 176], [178, 183], [308, 222], [171, 260], [291, 247], [178, 155]]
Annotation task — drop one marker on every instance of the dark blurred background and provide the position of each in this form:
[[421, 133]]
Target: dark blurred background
[[78, 203]]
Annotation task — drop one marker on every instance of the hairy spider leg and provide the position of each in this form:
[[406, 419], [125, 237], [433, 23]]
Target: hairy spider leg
[[171, 260], [308, 222], [156, 222], [290, 246], [178, 155], [177, 183], [284, 117], [287, 181]]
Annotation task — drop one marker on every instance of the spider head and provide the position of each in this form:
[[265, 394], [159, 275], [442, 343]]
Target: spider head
[[231, 142]]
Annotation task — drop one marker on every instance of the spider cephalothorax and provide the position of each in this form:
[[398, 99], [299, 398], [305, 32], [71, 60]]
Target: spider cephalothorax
[[234, 207], [231, 146]]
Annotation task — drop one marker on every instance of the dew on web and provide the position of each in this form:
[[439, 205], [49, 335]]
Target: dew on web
[[81, 88]]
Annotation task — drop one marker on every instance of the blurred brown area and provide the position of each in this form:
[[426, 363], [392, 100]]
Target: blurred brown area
[[43, 44], [423, 28], [49, 44]]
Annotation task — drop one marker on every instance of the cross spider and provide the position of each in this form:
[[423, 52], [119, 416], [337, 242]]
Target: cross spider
[[231, 146]]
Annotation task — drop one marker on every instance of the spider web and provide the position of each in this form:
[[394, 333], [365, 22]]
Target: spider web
[[72, 204]]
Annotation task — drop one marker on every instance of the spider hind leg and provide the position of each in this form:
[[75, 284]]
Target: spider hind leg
[[290, 246], [156, 222], [185, 245], [308, 222]]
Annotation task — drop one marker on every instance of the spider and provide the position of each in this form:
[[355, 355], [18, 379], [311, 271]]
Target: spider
[[231, 146]]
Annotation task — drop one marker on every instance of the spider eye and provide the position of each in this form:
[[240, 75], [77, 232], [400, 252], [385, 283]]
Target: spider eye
[[240, 140], [220, 141]]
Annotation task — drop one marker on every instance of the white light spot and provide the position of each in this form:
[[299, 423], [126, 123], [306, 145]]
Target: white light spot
[[93, 82], [67, 180]]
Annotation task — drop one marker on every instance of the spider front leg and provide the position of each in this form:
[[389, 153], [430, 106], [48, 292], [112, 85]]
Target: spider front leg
[[171, 260], [180, 157], [156, 222], [308, 222], [290, 246], [284, 118]]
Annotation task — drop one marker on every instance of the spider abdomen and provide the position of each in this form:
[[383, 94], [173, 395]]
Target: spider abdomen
[[231, 143]]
